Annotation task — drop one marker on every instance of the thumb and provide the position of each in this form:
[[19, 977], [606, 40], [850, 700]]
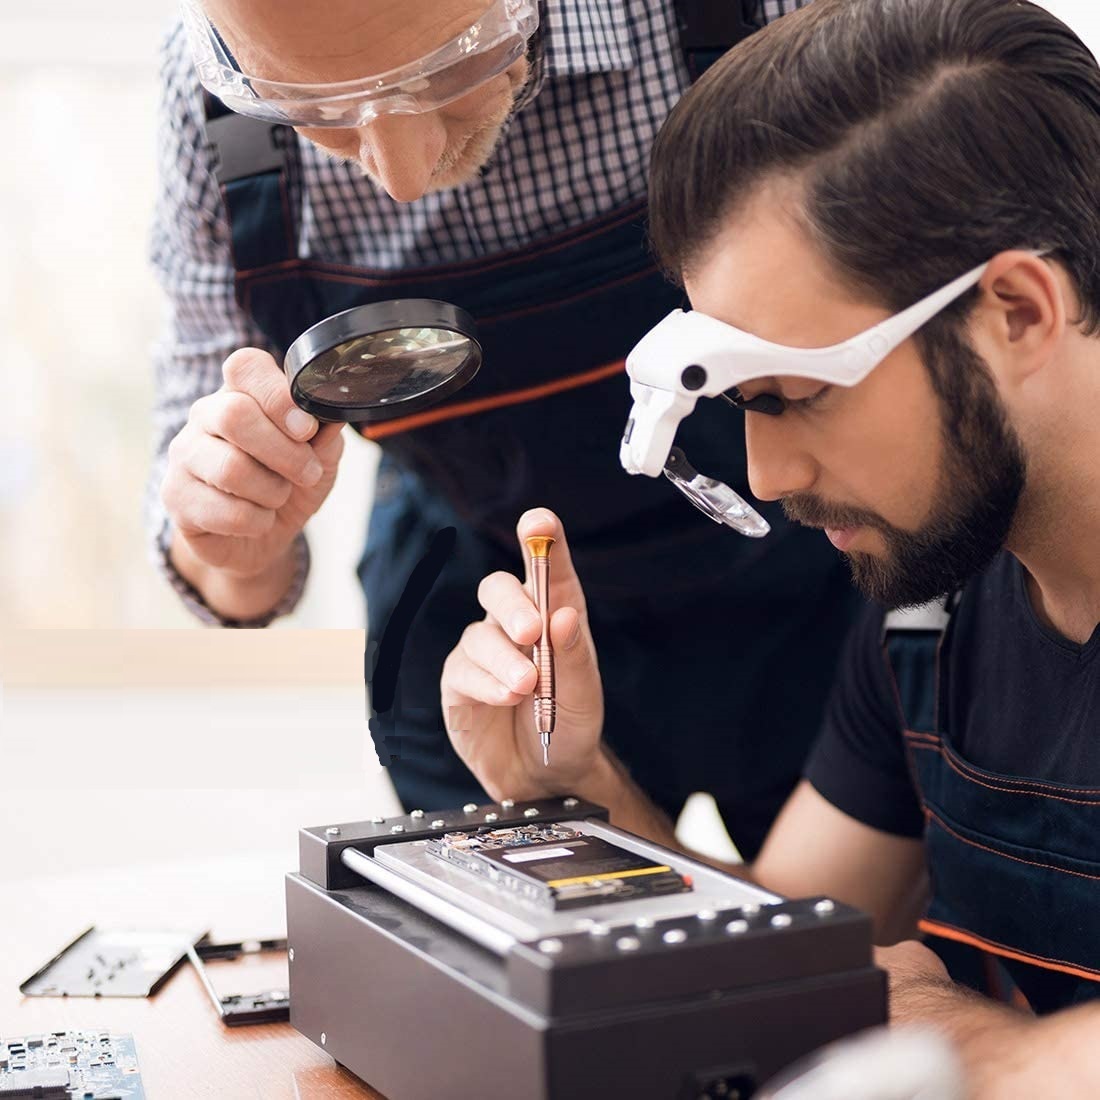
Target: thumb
[[328, 444], [565, 585]]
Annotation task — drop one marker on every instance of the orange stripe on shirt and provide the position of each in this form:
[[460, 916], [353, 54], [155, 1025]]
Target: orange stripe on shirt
[[484, 404]]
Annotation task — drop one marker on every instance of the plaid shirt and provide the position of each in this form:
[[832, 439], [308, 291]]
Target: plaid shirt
[[613, 69]]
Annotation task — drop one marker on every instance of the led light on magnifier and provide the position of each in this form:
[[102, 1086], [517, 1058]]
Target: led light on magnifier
[[382, 361], [713, 498]]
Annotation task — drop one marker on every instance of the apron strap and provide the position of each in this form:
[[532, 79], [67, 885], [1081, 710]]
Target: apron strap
[[912, 640], [252, 171], [708, 28]]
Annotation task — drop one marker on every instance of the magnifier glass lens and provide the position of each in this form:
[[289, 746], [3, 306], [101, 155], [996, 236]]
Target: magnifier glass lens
[[386, 367]]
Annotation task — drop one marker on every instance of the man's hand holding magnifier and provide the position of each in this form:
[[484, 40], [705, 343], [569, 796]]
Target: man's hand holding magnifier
[[489, 680], [244, 475]]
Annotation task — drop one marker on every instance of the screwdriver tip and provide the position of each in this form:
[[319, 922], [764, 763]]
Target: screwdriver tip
[[546, 756]]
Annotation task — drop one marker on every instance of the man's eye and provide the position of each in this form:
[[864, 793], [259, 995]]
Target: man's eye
[[808, 402]]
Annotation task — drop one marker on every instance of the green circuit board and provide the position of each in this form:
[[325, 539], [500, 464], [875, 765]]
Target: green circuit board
[[69, 1065]]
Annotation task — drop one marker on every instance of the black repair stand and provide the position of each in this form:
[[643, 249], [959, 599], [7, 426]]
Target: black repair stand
[[423, 1013]]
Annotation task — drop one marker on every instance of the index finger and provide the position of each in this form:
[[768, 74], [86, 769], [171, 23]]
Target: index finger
[[508, 603], [255, 372]]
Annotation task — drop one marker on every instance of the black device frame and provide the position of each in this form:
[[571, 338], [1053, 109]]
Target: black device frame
[[420, 1011], [237, 1009]]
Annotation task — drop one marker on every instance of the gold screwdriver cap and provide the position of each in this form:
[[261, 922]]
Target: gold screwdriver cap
[[539, 545]]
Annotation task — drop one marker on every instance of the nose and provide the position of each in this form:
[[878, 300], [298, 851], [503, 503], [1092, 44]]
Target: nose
[[778, 466], [404, 150]]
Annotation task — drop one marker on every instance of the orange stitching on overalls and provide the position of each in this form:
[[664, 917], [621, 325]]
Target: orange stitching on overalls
[[1004, 855], [970, 768], [928, 738], [381, 277], [950, 932], [469, 408], [490, 320], [1008, 790]]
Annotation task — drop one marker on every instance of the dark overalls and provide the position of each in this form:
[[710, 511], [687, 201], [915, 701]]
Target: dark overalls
[[1013, 864], [716, 651]]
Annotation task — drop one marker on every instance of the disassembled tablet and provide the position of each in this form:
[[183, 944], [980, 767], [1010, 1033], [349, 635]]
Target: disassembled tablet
[[558, 866], [69, 1065]]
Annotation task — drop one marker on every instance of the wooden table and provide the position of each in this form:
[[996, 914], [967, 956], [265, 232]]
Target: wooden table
[[183, 1049]]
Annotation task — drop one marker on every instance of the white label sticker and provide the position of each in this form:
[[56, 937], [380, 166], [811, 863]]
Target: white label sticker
[[538, 853]]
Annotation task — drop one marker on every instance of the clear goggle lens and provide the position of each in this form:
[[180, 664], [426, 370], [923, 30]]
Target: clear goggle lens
[[714, 499], [472, 59]]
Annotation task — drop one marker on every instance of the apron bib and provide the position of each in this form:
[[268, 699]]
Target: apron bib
[[1014, 862]]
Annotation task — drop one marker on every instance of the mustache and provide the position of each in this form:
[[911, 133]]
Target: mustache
[[812, 511]]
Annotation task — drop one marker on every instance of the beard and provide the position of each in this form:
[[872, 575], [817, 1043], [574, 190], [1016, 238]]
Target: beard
[[983, 477]]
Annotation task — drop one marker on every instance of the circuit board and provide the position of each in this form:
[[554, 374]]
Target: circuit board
[[556, 866], [69, 1065]]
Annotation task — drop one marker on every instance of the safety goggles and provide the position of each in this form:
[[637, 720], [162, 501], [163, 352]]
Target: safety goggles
[[474, 57], [690, 355]]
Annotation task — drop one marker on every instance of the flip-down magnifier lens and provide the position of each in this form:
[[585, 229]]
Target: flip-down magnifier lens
[[713, 498]]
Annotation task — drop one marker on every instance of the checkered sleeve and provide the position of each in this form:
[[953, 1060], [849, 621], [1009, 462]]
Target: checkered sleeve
[[190, 254], [773, 9]]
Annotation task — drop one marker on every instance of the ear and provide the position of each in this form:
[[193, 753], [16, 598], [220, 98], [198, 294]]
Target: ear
[[1021, 317]]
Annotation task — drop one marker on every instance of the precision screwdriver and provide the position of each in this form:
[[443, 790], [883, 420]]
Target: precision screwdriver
[[546, 706]]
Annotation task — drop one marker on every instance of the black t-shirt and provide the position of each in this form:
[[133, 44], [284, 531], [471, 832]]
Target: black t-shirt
[[1022, 701]]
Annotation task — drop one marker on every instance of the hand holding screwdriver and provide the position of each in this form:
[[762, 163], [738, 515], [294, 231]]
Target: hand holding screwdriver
[[490, 680]]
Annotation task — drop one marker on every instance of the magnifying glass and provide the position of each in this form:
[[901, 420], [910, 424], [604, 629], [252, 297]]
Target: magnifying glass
[[382, 361]]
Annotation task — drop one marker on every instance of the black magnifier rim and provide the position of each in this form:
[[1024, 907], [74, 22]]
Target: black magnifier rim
[[362, 321]]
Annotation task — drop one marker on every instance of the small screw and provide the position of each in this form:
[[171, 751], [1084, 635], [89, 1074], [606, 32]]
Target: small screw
[[377, 820], [571, 803], [707, 915], [438, 823], [751, 909], [324, 1038], [643, 923], [491, 817], [397, 828], [416, 815], [333, 830], [507, 803], [628, 943], [824, 907], [530, 812], [470, 808], [675, 935], [598, 929], [781, 920], [290, 954], [550, 947], [737, 926]]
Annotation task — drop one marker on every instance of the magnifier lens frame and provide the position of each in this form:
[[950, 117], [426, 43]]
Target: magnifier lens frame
[[377, 319]]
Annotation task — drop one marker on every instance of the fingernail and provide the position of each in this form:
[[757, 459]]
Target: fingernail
[[522, 621], [299, 423], [574, 637], [517, 673], [312, 473]]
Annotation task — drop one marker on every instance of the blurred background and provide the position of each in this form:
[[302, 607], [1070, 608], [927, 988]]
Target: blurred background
[[80, 311]]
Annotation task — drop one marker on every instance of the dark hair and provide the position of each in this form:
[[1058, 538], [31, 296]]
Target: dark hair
[[928, 135]]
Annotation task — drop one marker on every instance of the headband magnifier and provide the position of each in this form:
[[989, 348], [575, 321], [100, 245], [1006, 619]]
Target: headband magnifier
[[691, 355]]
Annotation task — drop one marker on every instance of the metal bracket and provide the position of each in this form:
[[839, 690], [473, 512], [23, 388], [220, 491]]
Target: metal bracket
[[715, 24], [244, 147]]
